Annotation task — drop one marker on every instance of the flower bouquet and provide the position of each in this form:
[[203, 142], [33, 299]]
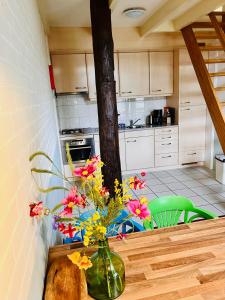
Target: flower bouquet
[[104, 270]]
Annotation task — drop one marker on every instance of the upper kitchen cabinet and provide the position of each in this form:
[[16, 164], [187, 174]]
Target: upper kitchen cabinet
[[70, 73], [91, 75], [134, 74], [161, 73], [189, 89]]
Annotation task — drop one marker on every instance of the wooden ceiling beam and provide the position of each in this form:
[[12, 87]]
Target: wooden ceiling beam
[[204, 7], [162, 15], [112, 4]]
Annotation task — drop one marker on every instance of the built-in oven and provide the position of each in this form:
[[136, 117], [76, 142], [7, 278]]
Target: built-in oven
[[80, 149]]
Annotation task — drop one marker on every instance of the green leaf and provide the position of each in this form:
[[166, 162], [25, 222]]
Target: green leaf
[[56, 207], [40, 153], [51, 189], [69, 158], [66, 219], [44, 171]]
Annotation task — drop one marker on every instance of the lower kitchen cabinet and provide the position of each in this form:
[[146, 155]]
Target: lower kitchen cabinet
[[122, 149], [192, 156], [140, 152], [163, 160]]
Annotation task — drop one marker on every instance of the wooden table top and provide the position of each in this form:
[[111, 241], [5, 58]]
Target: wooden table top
[[182, 262]]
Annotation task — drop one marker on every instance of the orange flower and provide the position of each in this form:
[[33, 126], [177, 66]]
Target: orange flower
[[85, 263]]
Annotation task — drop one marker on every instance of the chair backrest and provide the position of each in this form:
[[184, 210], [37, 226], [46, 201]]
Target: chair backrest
[[166, 211]]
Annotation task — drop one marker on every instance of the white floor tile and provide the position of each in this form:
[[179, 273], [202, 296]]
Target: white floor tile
[[207, 181], [192, 183], [198, 201], [218, 188], [185, 192], [159, 188], [176, 186], [161, 194], [202, 190], [213, 198]]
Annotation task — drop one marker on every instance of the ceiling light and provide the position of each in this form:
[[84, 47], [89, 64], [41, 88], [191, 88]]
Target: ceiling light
[[134, 12]]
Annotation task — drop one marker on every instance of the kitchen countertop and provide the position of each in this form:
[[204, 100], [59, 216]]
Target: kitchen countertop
[[95, 131]]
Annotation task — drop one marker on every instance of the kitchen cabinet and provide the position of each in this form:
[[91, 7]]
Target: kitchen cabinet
[[189, 88], [192, 133], [134, 74], [91, 75], [161, 73], [166, 146], [140, 151], [122, 149], [70, 73]]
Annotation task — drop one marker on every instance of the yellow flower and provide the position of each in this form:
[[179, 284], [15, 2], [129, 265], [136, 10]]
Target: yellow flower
[[89, 228], [101, 229], [143, 200], [86, 241], [88, 233], [74, 257], [85, 263], [96, 216]]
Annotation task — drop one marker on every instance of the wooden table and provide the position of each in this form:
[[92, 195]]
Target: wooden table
[[183, 262]]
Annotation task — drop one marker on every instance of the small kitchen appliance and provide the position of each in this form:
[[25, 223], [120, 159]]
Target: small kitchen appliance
[[157, 117]]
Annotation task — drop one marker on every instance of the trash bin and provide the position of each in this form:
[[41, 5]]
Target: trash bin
[[220, 168]]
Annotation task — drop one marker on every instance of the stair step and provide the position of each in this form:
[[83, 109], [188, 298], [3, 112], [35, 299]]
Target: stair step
[[201, 35], [220, 88], [217, 74], [218, 13], [215, 60], [211, 48], [205, 24]]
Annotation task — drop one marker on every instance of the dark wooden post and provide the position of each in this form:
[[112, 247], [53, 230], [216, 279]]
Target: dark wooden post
[[106, 91]]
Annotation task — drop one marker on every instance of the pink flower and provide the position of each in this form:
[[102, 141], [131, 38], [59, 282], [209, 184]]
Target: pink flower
[[36, 209], [138, 209], [143, 174], [121, 236], [94, 160], [86, 171], [72, 199], [136, 183]]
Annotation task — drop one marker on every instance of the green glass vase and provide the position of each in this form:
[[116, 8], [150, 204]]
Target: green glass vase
[[106, 278]]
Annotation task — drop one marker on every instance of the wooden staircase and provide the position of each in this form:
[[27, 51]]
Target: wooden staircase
[[195, 45]]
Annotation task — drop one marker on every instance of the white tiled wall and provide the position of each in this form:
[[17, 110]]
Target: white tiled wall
[[27, 124], [77, 112]]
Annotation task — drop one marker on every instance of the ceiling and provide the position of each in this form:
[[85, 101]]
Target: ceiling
[[76, 13], [160, 15]]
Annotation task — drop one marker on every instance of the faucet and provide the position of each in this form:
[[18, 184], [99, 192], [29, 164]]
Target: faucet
[[132, 123]]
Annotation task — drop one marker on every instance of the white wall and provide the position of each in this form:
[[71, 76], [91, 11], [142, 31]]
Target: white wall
[[27, 124], [75, 111]]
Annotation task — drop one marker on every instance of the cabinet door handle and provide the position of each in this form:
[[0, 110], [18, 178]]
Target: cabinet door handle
[[188, 102], [157, 90], [166, 144], [80, 87], [163, 131], [192, 153], [126, 92], [168, 137], [186, 109], [168, 156], [134, 141]]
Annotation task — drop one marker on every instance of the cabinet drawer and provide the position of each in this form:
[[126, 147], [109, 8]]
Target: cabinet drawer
[[166, 147], [163, 160], [166, 138], [192, 156], [139, 133], [167, 131]]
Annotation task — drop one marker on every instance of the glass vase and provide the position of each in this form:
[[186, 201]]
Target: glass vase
[[106, 278]]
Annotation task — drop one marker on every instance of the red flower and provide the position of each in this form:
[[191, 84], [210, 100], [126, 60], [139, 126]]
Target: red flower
[[85, 172], [143, 174], [104, 191], [61, 227], [69, 231], [94, 160], [136, 183], [36, 209]]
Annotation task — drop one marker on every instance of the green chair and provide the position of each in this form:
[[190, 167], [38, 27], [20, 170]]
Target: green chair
[[166, 211]]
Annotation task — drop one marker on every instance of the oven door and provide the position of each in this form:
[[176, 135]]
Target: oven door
[[80, 154]]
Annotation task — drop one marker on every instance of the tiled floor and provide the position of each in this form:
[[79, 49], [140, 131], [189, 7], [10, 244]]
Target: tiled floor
[[196, 183]]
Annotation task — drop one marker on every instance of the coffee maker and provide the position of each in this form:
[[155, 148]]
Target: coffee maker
[[157, 117]]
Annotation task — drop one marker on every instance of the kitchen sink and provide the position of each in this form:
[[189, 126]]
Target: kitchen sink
[[136, 126]]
